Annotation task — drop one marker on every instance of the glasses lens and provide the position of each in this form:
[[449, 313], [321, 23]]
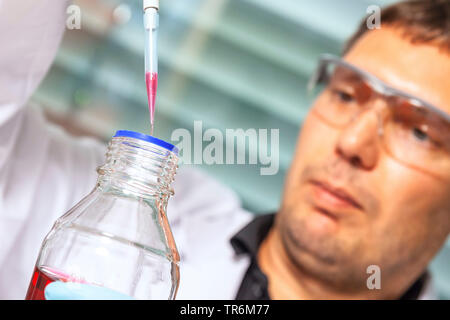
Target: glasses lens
[[418, 137], [344, 94]]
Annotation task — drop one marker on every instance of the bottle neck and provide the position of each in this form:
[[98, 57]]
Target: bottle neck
[[137, 168]]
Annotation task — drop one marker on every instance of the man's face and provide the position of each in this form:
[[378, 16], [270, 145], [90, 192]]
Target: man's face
[[347, 204]]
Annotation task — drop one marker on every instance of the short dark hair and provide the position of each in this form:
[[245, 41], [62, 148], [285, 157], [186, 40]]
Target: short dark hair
[[421, 21]]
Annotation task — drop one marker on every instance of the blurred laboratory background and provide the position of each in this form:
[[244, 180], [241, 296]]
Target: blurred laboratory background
[[229, 63]]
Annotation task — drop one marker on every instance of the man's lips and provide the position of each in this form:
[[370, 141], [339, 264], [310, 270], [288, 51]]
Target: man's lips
[[332, 196]]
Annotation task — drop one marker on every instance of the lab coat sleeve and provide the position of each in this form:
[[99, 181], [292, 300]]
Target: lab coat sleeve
[[30, 34], [43, 171], [45, 174]]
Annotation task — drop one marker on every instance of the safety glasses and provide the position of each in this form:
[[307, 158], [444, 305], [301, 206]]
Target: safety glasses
[[412, 131]]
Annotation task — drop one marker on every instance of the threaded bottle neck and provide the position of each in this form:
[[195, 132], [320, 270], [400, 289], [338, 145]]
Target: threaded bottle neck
[[138, 168]]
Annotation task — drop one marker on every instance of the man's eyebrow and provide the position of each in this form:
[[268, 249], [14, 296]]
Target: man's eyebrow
[[391, 82], [393, 89]]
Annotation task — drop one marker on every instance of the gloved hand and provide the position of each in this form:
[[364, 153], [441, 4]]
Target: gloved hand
[[78, 291]]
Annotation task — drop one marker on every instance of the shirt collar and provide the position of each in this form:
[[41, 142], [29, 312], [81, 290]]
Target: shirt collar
[[248, 239]]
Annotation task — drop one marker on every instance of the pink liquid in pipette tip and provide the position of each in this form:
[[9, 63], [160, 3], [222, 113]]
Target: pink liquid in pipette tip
[[151, 80]]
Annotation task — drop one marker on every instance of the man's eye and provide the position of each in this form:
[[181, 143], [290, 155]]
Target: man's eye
[[343, 96], [420, 134]]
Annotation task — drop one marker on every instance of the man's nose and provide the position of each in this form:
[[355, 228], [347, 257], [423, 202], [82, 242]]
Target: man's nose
[[358, 142]]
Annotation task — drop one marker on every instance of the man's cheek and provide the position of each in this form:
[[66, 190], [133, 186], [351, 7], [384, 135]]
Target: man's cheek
[[408, 188], [311, 150], [408, 199], [316, 142]]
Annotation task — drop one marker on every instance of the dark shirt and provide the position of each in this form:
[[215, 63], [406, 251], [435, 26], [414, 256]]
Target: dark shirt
[[254, 286]]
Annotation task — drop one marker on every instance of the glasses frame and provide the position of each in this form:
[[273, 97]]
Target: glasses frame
[[376, 84]]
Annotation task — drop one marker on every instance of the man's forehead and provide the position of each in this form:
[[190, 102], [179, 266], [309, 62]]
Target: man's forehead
[[421, 70]]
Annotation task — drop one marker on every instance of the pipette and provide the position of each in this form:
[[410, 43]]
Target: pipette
[[151, 24]]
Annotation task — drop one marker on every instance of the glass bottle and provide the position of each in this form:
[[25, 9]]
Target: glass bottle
[[118, 236]]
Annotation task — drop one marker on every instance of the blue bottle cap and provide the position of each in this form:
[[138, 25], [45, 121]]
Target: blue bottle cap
[[144, 137]]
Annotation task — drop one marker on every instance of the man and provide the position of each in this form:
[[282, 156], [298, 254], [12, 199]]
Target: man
[[370, 180], [369, 185]]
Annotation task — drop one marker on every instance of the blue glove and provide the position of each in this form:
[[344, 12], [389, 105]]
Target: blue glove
[[78, 291]]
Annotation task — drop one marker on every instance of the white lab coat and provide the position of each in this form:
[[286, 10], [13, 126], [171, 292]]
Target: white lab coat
[[44, 172]]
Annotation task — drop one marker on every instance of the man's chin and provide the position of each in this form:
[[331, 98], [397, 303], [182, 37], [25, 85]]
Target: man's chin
[[315, 233], [320, 223]]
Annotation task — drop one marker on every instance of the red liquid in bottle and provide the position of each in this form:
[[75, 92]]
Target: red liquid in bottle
[[42, 278], [151, 80]]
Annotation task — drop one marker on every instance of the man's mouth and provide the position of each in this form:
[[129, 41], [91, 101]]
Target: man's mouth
[[333, 197]]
